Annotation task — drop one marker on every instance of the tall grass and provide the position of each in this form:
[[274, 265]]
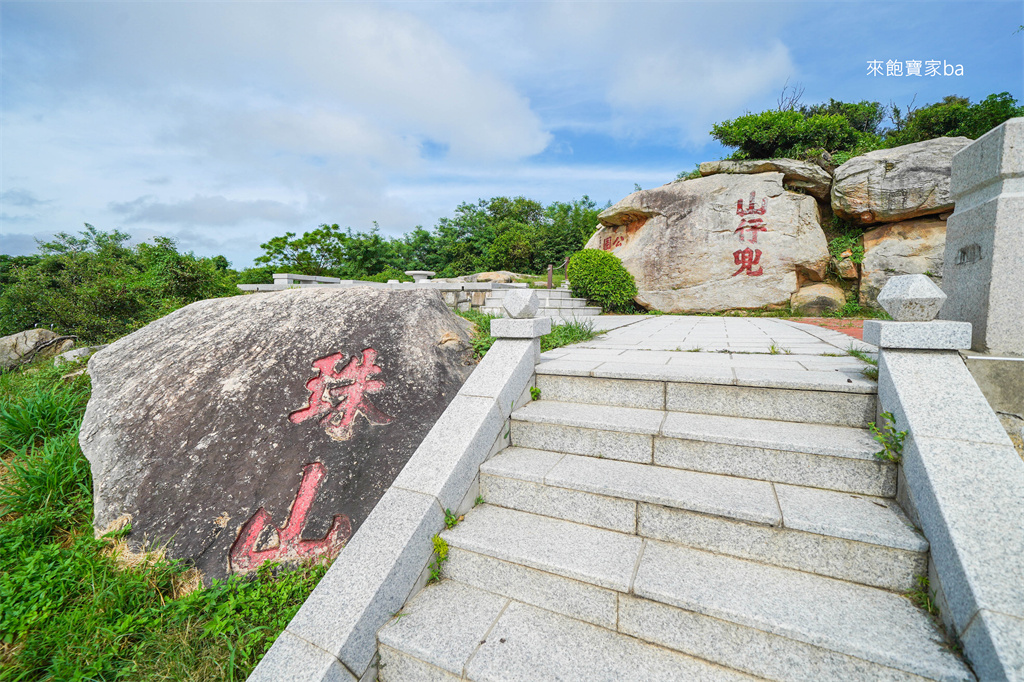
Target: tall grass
[[77, 607]]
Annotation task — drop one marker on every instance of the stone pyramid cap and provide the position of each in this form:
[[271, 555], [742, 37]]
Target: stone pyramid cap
[[911, 298], [520, 303]]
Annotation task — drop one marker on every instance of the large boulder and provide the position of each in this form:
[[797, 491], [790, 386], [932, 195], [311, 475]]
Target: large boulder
[[266, 427], [796, 174], [912, 247], [895, 184], [716, 243], [17, 349]]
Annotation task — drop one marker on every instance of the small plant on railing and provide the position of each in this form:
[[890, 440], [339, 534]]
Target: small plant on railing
[[441, 554], [890, 439]]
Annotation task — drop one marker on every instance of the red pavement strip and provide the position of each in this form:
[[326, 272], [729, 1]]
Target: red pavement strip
[[854, 328]]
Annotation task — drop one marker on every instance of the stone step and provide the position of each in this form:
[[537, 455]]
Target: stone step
[[820, 397], [817, 455], [545, 302], [782, 624], [562, 313], [852, 537], [452, 631], [541, 293]]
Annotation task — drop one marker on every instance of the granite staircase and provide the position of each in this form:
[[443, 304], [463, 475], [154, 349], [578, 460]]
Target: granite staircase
[[655, 526], [557, 303]]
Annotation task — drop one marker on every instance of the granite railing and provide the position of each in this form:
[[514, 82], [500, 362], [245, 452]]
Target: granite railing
[[334, 634]]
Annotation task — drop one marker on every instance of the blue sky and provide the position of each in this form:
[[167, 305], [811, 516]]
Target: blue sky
[[223, 124]]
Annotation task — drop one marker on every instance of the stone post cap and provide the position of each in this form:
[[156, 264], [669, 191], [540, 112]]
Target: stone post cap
[[911, 298], [520, 303], [530, 328], [420, 275]]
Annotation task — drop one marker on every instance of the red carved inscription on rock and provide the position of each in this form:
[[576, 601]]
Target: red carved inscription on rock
[[750, 225], [340, 395], [244, 556]]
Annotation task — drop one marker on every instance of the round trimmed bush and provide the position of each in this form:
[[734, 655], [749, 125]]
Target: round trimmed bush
[[601, 277]]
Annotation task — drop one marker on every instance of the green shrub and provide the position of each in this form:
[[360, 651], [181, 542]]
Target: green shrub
[[600, 277]]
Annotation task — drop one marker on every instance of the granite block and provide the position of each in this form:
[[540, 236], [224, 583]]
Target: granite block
[[707, 493], [968, 499], [520, 303], [643, 394], [933, 395], [397, 666], [292, 659], [864, 476], [806, 380], [561, 503], [371, 578], [935, 335], [608, 417], [753, 651], [567, 366], [443, 624], [911, 298], [502, 373], [530, 328], [994, 644], [596, 556], [853, 517], [714, 374], [529, 644], [879, 566], [522, 463], [822, 407], [629, 447], [839, 616], [448, 459], [569, 597], [815, 439]]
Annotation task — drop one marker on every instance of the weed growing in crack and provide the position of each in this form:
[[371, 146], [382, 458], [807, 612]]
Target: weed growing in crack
[[890, 439]]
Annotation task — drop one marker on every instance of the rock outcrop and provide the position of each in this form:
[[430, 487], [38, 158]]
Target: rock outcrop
[[816, 299], [896, 184], [266, 427], [912, 247], [797, 174], [30, 344], [716, 243]]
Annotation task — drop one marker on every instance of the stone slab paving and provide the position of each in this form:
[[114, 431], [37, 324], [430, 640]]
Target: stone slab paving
[[717, 334]]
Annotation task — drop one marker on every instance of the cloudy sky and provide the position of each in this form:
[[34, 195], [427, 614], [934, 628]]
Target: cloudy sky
[[222, 124]]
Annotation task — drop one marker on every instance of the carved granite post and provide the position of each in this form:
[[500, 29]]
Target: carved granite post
[[960, 478], [984, 258], [520, 306]]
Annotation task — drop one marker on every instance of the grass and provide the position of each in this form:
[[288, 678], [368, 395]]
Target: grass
[[78, 607], [541, 281], [572, 331]]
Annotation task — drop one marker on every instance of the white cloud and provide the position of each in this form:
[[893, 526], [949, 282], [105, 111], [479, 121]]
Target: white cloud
[[206, 210]]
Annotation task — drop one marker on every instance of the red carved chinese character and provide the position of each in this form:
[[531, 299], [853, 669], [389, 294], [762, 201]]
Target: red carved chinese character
[[244, 556], [750, 207], [754, 225], [340, 396], [747, 259]]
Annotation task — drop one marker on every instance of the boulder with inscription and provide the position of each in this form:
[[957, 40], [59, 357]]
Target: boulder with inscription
[[912, 247], [714, 243], [895, 184], [265, 427]]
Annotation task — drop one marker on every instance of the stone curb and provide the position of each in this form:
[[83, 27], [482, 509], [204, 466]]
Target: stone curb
[[960, 481], [386, 560]]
